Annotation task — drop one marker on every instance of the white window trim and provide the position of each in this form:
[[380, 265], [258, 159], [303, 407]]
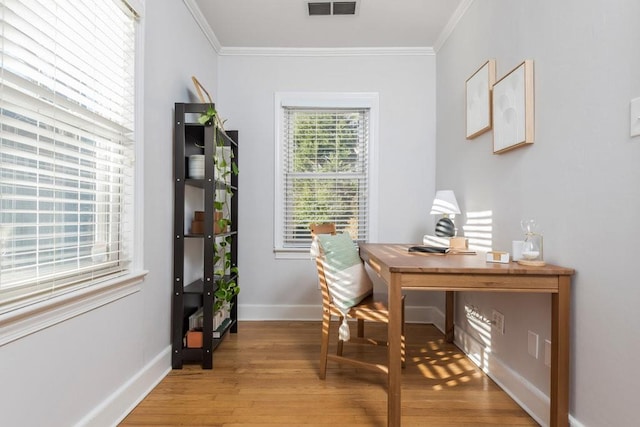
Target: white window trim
[[27, 320], [35, 317], [325, 100]]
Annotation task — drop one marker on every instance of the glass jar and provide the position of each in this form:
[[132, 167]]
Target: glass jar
[[532, 251]]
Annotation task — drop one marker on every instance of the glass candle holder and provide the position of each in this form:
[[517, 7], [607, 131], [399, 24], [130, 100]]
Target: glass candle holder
[[532, 248]]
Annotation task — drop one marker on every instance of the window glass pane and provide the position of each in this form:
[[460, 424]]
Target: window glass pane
[[66, 145], [325, 172]]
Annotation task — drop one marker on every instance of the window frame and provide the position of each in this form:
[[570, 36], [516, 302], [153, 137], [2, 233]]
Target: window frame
[[362, 100], [28, 319]]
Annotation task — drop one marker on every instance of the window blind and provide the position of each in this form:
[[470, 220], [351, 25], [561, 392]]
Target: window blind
[[66, 145], [325, 163]]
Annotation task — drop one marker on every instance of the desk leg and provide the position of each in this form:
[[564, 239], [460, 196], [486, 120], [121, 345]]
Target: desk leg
[[560, 306], [394, 356], [449, 333]]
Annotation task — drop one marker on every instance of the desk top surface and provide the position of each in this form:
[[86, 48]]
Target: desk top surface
[[397, 259]]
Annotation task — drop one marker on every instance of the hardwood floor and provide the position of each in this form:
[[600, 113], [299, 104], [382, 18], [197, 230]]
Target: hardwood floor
[[267, 375]]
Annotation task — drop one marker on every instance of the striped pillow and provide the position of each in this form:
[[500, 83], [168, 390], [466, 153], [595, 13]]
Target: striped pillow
[[346, 277]]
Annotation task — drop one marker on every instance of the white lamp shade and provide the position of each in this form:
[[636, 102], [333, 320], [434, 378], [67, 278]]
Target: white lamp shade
[[445, 203]]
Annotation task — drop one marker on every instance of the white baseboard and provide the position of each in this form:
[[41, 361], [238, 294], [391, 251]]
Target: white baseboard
[[530, 398], [256, 312], [118, 405], [535, 402], [575, 423]]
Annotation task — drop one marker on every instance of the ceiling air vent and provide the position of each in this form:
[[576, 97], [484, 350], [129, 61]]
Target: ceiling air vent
[[316, 9], [344, 8], [332, 8]]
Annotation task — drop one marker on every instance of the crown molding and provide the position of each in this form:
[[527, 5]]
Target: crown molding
[[320, 52], [208, 32], [195, 11], [451, 24]]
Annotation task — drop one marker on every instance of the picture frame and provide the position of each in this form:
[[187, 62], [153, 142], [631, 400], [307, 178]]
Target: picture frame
[[513, 109], [478, 99]]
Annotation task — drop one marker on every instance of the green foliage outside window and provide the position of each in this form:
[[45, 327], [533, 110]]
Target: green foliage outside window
[[326, 171]]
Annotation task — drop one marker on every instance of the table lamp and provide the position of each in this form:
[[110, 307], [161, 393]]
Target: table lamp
[[445, 203]]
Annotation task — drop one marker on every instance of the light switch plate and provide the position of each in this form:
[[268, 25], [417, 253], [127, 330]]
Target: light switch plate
[[634, 117]]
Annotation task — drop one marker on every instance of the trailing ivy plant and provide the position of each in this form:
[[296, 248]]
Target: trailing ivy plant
[[208, 116], [227, 286], [225, 273]]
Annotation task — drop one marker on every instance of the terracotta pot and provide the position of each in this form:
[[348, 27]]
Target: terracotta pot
[[194, 339]]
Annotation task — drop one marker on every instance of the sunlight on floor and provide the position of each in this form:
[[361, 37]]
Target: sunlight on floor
[[447, 367]]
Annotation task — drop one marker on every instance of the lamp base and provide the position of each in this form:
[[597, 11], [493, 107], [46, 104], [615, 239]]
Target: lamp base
[[445, 228]]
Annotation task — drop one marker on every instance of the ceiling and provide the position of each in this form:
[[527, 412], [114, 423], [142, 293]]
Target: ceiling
[[286, 23]]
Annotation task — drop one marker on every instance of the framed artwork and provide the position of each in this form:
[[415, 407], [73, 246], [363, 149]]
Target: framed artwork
[[513, 109], [478, 94]]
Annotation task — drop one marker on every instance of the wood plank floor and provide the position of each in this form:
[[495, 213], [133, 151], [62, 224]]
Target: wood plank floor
[[267, 375]]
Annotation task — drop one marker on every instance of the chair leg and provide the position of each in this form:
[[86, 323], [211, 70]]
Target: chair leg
[[403, 354], [360, 328], [340, 342], [324, 346]]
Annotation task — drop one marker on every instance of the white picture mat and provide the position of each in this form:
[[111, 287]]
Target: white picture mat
[[478, 99], [512, 109]]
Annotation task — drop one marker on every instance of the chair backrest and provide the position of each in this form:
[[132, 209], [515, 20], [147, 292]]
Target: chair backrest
[[324, 228], [341, 273]]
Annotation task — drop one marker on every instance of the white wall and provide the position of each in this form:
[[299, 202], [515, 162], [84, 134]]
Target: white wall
[[176, 49], [92, 368], [579, 181], [286, 289]]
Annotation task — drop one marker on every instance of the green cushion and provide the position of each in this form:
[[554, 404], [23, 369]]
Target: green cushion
[[346, 277], [339, 250]]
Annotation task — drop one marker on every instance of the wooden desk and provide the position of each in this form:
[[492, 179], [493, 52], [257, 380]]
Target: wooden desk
[[451, 273]]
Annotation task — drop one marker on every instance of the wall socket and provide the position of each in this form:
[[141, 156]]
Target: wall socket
[[497, 321]]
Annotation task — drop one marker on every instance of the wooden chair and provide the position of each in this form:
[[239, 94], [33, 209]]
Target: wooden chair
[[369, 309]]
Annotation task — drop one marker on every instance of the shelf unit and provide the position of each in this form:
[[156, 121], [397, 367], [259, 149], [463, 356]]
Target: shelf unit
[[194, 281]]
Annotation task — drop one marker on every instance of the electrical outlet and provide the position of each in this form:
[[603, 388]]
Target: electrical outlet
[[497, 321], [634, 119], [547, 353], [532, 344]]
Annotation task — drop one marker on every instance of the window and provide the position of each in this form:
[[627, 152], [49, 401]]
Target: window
[[324, 162], [66, 146]]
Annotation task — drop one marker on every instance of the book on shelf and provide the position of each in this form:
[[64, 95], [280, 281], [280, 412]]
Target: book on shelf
[[196, 320], [217, 333], [221, 321]]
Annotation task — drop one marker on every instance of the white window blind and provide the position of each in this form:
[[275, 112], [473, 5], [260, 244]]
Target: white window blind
[[66, 145], [325, 171]]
